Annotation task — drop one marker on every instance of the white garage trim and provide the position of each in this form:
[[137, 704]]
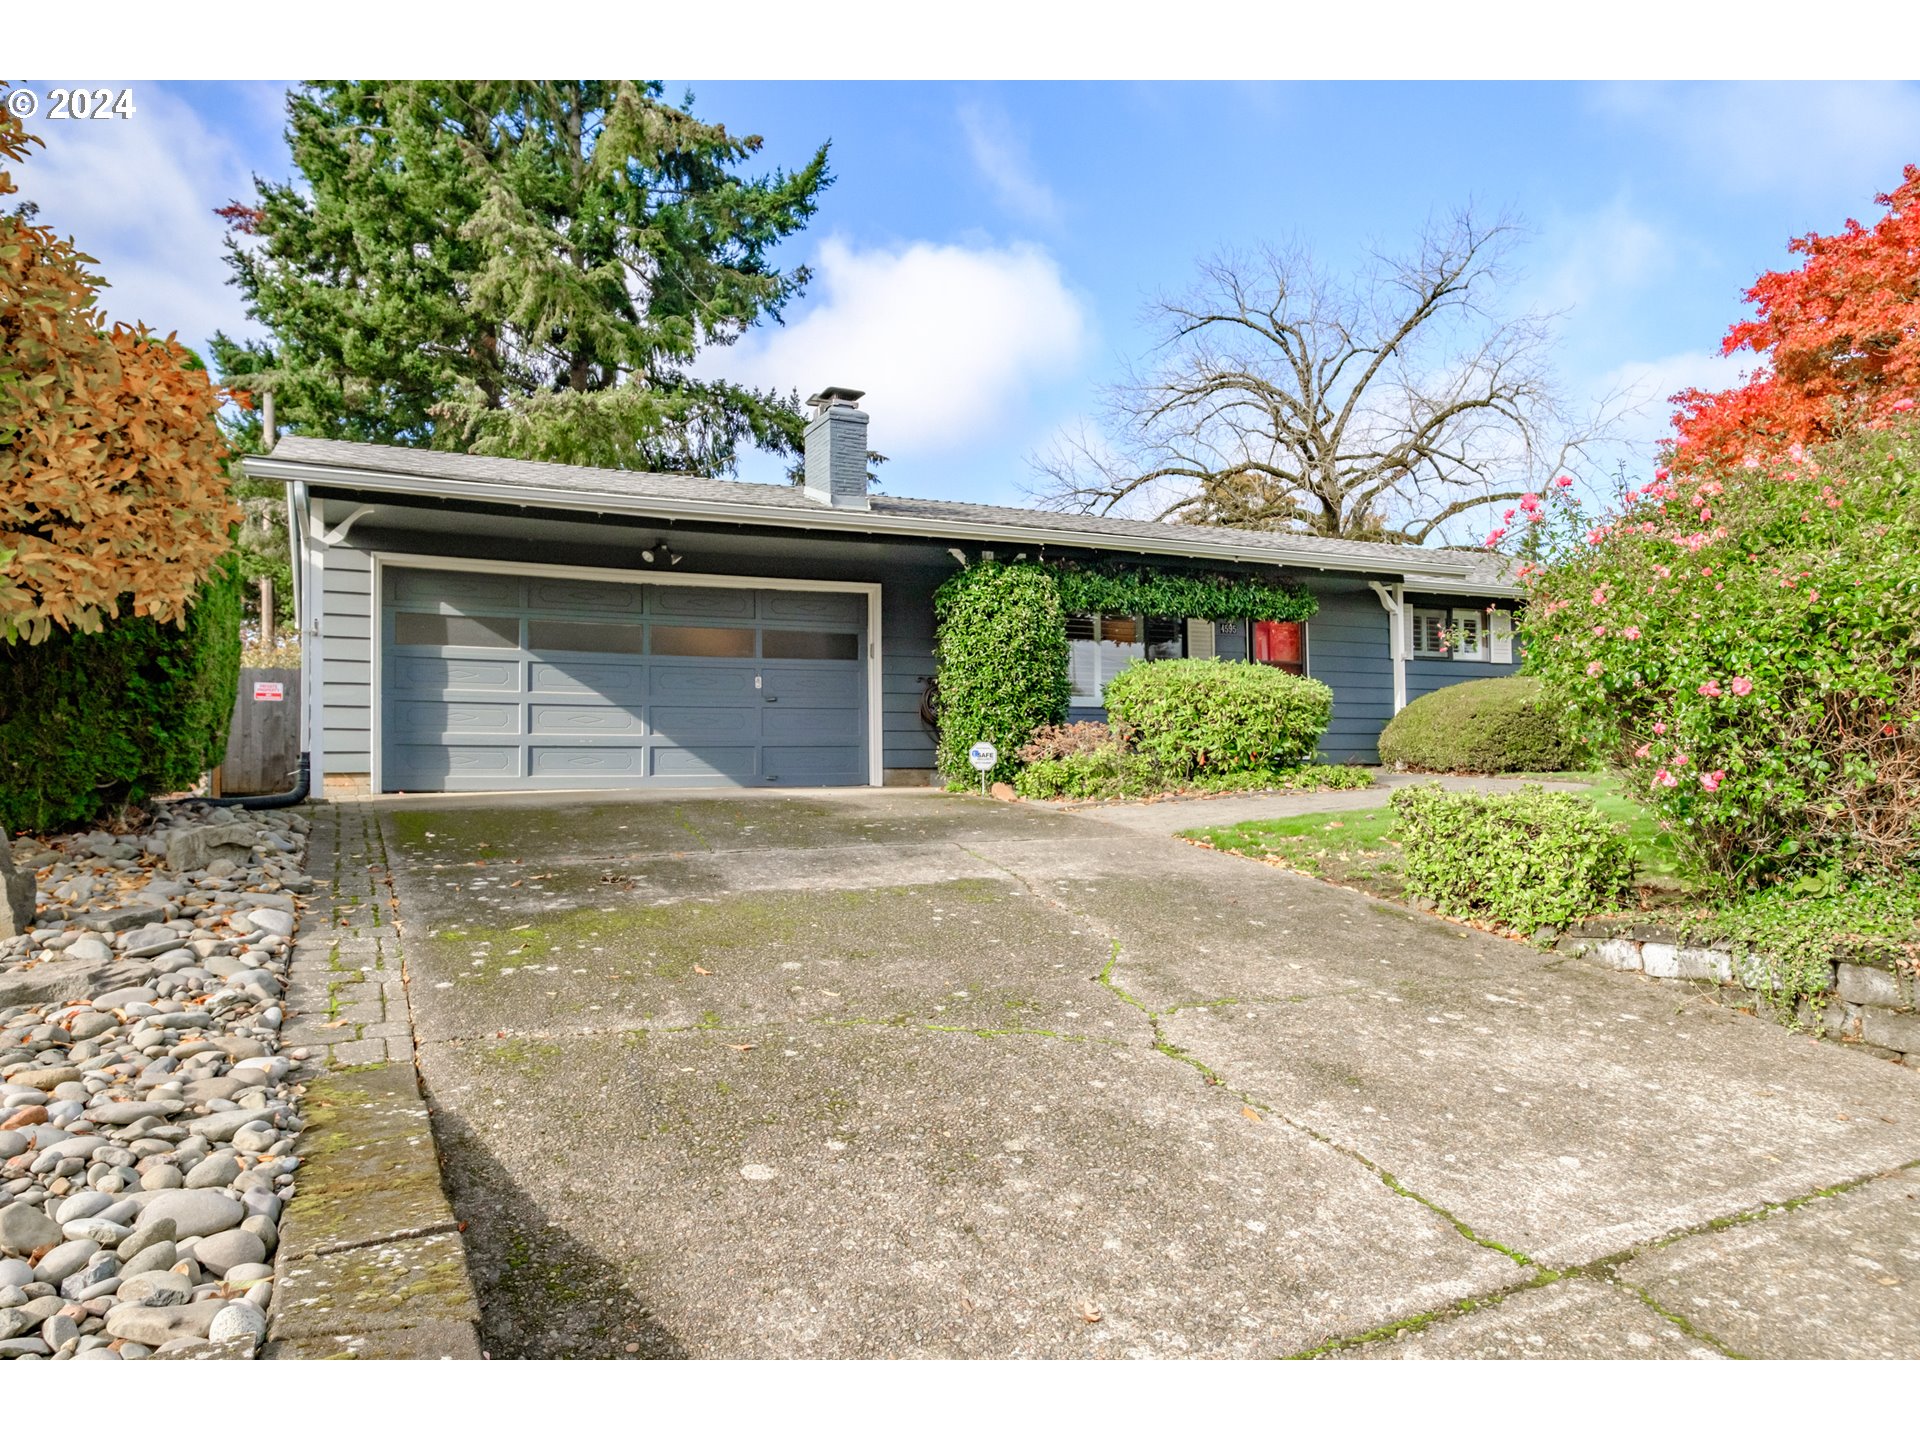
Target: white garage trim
[[382, 559]]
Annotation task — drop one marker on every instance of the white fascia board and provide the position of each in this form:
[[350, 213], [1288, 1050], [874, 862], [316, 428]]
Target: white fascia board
[[1456, 585], [809, 517]]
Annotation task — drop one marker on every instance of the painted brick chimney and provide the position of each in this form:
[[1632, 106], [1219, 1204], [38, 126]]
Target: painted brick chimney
[[836, 450]]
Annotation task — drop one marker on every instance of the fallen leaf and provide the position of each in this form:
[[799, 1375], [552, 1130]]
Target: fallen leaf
[[1842, 1115], [1090, 1313], [1889, 1279], [1251, 1114], [700, 970], [740, 1047]]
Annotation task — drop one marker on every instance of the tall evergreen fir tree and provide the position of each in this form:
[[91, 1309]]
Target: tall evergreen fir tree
[[515, 267]]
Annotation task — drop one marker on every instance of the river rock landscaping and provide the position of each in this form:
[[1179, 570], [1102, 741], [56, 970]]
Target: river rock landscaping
[[147, 1113]]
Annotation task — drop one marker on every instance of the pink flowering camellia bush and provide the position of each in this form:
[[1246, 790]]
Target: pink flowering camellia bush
[[1743, 643]]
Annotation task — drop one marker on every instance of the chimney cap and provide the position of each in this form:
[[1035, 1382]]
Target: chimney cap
[[834, 395]]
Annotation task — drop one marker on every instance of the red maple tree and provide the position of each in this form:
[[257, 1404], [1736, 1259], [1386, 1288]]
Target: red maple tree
[[1840, 337]]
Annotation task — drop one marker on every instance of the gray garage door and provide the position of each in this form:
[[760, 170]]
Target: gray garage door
[[506, 682]]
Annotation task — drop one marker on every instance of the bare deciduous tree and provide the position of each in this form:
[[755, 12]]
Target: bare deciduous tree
[[1378, 408]]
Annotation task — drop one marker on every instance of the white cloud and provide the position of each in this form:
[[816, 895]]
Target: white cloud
[[1651, 382], [1600, 255], [945, 338], [138, 195], [1001, 157], [1807, 139]]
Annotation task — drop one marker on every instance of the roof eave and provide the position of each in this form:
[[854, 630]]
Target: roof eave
[[809, 517]]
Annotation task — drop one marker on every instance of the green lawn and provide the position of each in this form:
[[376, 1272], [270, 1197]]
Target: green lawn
[[1353, 847]]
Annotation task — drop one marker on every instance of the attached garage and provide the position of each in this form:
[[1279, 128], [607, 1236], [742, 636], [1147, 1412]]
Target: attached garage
[[544, 679]]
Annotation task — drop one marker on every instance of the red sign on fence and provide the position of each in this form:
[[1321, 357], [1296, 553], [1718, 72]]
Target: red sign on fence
[[269, 690]]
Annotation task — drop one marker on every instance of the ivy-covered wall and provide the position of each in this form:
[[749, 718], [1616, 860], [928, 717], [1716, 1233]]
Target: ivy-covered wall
[[1002, 646]]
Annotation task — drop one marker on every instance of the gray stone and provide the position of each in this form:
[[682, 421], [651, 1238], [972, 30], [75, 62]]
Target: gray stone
[[196, 847], [101, 1232], [227, 1123], [90, 948], [162, 1177], [64, 1260], [216, 1172], [15, 1272], [195, 1212], [157, 1325], [149, 1232], [219, 1253], [156, 1287], [238, 1320], [274, 922], [26, 1345], [126, 1112], [59, 1331], [1870, 985], [25, 1229], [163, 1255], [76, 1207], [1890, 1029]]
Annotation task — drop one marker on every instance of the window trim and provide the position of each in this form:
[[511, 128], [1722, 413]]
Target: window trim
[[1478, 621], [1419, 649]]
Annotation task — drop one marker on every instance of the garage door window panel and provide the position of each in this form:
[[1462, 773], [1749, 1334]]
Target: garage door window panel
[[479, 632], [586, 637], [809, 645], [710, 642]]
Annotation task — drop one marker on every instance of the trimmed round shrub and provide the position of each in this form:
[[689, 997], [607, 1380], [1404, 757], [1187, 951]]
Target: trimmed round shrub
[[1210, 715], [92, 721], [1002, 657], [1488, 726], [1526, 859]]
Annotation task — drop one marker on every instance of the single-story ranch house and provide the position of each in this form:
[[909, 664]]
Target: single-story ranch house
[[482, 624]]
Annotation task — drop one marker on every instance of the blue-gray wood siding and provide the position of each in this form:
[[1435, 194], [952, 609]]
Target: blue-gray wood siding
[[1347, 650]]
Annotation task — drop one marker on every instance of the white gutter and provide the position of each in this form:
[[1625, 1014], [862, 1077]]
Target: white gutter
[[1394, 601], [1448, 585], [811, 517]]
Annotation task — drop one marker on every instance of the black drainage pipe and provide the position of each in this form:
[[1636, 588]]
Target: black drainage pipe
[[267, 802]]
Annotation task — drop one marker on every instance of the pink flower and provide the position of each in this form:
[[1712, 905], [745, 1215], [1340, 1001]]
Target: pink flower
[[1712, 781], [1903, 404], [1643, 752], [1564, 481], [1742, 685], [1599, 630], [1711, 689], [1665, 777], [1660, 728], [1632, 632], [1596, 670], [1679, 757], [1600, 595]]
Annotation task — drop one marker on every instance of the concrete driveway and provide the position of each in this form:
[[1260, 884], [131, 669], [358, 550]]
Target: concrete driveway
[[867, 1073]]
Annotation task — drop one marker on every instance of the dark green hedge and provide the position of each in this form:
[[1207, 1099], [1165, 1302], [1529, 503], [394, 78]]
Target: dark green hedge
[[1214, 715], [88, 722], [1485, 726], [1002, 658]]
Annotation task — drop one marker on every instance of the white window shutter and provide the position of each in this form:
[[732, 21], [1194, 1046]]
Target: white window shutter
[[1500, 637], [1200, 641]]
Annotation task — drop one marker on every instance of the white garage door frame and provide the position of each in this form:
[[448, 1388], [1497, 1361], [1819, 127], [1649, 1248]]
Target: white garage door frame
[[382, 559]]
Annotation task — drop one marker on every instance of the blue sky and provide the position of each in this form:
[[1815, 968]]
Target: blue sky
[[985, 252]]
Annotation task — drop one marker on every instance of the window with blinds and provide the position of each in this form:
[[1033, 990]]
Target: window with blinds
[[1099, 647]]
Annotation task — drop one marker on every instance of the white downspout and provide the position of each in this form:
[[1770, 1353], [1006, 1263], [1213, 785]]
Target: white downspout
[[313, 666], [1394, 602]]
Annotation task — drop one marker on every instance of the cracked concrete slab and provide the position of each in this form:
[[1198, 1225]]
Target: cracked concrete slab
[[1575, 1125], [651, 1171], [1837, 1278], [864, 1191], [1576, 1319]]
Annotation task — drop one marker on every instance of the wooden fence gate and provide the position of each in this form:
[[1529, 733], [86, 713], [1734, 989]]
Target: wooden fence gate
[[263, 741]]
